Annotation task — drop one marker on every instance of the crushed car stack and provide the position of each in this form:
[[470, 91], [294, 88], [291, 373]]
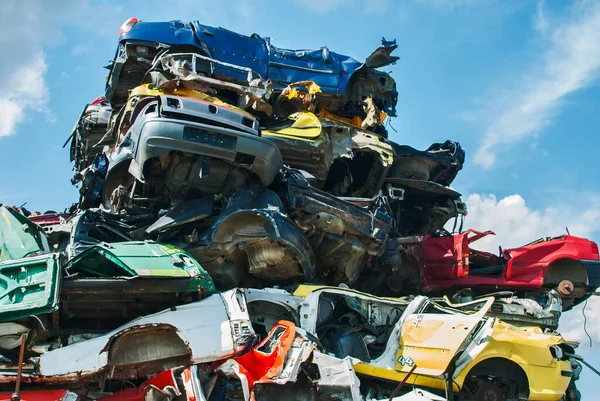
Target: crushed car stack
[[247, 231]]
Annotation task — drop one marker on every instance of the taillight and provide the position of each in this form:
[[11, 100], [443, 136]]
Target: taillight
[[127, 25], [595, 250]]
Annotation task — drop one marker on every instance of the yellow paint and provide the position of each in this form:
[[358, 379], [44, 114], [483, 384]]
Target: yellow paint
[[526, 346], [292, 92], [305, 126], [149, 90], [529, 347]]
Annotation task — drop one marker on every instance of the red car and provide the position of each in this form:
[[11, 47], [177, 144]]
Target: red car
[[569, 264]]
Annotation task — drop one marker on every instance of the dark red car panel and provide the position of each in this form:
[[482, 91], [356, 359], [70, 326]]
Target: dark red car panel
[[449, 261]]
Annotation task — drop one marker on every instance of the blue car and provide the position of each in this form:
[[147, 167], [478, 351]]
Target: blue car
[[344, 82]]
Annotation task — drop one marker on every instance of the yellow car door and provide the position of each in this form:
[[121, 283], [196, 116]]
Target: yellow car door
[[431, 340]]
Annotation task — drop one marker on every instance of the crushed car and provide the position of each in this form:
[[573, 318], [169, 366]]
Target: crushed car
[[452, 347], [438, 263], [247, 237], [344, 83], [56, 296], [86, 138], [344, 160], [181, 148], [217, 327]]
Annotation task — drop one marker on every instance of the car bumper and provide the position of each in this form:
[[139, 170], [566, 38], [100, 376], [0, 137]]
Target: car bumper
[[160, 136]]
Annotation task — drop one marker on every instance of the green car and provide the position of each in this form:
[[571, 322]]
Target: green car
[[99, 289]]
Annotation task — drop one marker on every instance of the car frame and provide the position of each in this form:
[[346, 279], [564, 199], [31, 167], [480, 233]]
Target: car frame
[[450, 344], [569, 264]]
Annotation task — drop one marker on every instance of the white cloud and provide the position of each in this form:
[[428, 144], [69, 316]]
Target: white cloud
[[515, 223], [26, 28], [541, 23], [570, 62], [80, 49], [23, 90]]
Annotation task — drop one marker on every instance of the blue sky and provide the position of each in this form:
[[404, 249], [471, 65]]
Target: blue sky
[[514, 81]]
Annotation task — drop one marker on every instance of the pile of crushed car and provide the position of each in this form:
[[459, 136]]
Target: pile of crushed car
[[246, 230]]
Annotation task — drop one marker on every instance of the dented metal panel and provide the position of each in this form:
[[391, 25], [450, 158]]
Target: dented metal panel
[[19, 236], [29, 286], [214, 328]]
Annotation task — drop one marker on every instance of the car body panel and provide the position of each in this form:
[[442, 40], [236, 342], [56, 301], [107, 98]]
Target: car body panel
[[432, 341], [449, 261], [418, 335], [215, 328], [19, 236], [334, 73], [138, 258], [29, 286], [187, 148], [322, 146]]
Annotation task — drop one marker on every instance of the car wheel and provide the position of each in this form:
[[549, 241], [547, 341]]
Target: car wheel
[[490, 392]]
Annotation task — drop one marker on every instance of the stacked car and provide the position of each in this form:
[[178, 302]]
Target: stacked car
[[247, 230]]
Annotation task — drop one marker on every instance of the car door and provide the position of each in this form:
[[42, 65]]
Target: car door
[[29, 286], [431, 340]]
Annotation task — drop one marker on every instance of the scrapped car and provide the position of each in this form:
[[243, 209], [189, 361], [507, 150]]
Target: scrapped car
[[286, 365], [343, 235], [245, 238], [229, 56], [443, 262], [277, 368], [86, 137], [215, 328], [104, 286], [92, 288], [182, 148], [439, 163], [426, 342], [344, 160]]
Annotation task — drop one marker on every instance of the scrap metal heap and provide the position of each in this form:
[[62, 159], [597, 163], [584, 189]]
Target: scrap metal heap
[[246, 230]]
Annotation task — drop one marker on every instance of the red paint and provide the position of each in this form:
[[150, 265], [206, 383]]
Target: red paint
[[39, 395], [50, 219], [260, 364], [162, 381], [444, 260]]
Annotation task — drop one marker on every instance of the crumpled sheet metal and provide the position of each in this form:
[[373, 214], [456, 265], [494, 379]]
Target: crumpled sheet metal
[[281, 363], [251, 231], [19, 237], [215, 328]]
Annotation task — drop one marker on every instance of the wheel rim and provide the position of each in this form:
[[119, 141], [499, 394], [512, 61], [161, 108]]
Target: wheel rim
[[490, 395]]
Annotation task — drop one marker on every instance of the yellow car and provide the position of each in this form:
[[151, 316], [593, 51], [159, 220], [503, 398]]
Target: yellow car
[[453, 348], [344, 159]]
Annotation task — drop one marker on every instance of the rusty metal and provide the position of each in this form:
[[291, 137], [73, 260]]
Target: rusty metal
[[401, 384], [566, 288], [16, 396]]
